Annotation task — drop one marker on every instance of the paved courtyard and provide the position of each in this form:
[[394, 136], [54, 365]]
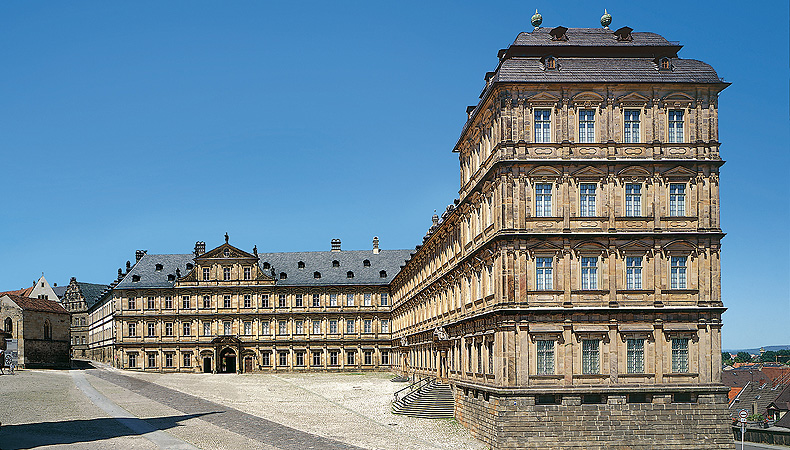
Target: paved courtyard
[[106, 408]]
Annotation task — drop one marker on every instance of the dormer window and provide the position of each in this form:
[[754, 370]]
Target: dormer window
[[664, 64], [300, 264], [349, 274], [366, 263], [550, 63], [266, 266], [171, 277], [316, 274], [226, 252], [283, 275], [383, 274], [158, 267], [335, 263], [135, 278], [189, 266]]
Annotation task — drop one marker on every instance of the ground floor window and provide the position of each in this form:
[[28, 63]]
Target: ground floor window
[[266, 359], [333, 358], [151, 359], [368, 358], [132, 360], [283, 359], [300, 358], [385, 358], [545, 357], [168, 359], [350, 358], [187, 359], [316, 358]]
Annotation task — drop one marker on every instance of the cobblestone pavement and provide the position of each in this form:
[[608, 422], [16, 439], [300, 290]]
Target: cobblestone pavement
[[267, 411]]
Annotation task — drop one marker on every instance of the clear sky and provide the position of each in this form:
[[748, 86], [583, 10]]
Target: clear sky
[[152, 125]]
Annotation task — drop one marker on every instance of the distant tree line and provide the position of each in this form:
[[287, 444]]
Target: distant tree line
[[780, 356]]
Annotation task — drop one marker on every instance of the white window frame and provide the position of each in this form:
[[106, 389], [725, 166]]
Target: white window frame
[[589, 272], [678, 268], [675, 125], [633, 272], [542, 125], [677, 199], [633, 199], [632, 129], [543, 199], [586, 126], [544, 273], [545, 356], [587, 197]]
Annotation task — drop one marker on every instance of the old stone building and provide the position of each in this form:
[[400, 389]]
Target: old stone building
[[78, 297], [571, 295], [227, 310], [41, 327]]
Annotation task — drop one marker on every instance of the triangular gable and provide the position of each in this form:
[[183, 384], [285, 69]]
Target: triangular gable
[[679, 172], [219, 252], [543, 97], [635, 246], [544, 171], [544, 246], [633, 97], [589, 172], [590, 247], [634, 171], [587, 96]]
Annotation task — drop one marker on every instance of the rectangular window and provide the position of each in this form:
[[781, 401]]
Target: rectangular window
[[299, 327], [677, 199], [587, 125], [368, 358], [150, 304], [316, 327], [680, 355], [490, 351], [132, 329], [631, 126], [545, 357], [281, 301], [633, 272], [266, 359], [168, 359], [226, 273], [316, 300], [385, 325], [678, 272], [206, 328], [675, 130], [385, 299], [205, 274], [468, 357], [132, 359], [635, 355], [333, 326], [151, 329], [316, 358], [265, 301], [299, 358], [367, 326], [187, 357], [299, 300], [168, 302], [333, 358], [332, 299], [187, 329], [168, 328], [132, 304], [282, 327], [151, 359], [248, 273], [226, 301], [206, 301], [544, 277], [591, 356], [543, 200], [542, 125], [248, 328], [227, 328], [350, 358], [185, 303], [589, 273], [367, 300], [349, 326], [385, 358], [587, 200], [633, 200], [283, 359], [349, 299], [265, 328]]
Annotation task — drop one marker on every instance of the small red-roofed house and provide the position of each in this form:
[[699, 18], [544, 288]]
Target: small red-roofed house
[[41, 327]]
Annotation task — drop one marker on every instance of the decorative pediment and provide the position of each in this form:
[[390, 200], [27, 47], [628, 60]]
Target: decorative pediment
[[680, 247], [543, 98], [633, 99], [677, 99], [544, 171], [226, 251], [589, 172], [544, 248], [587, 98], [590, 248], [679, 172], [634, 172], [636, 247]]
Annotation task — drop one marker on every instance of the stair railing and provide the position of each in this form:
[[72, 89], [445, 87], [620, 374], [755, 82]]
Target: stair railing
[[412, 387]]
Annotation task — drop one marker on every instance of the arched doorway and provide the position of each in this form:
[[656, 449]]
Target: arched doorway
[[227, 361]]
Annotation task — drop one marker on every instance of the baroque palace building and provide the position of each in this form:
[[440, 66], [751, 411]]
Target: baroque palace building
[[571, 295], [227, 310]]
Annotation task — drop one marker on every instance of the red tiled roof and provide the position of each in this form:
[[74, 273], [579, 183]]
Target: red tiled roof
[[21, 292], [37, 304], [734, 393]]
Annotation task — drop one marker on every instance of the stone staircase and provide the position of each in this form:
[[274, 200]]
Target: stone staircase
[[432, 401]]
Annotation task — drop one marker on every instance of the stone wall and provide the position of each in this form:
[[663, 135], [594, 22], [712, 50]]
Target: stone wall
[[41, 353], [510, 422]]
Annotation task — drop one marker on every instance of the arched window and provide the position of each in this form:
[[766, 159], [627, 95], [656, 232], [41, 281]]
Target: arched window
[[8, 325], [664, 64], [383, 274], [349, 274], [300, 264], [366, 263], [335, 263], [551, 63], [47, 330], [316, 274]]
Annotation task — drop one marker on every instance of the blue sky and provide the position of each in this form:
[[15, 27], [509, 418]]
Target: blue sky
[[151, 125]]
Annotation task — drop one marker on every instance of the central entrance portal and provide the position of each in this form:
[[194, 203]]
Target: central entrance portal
[[227, 360]]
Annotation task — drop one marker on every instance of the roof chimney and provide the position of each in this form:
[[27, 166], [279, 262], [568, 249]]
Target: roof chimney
[[435, 219], [376, 245], [200, 248], [335, 245]]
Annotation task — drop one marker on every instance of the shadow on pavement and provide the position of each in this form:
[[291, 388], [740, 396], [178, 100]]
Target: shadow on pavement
[[81, 364], [32, 435]]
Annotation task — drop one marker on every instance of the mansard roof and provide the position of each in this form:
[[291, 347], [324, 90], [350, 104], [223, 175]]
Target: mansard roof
[[590, 37], [388, 261], [149, 277]]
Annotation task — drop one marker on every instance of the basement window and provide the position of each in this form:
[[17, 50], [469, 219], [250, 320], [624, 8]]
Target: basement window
[[638, 398], [547, 399], [592, 399], [682, 397]]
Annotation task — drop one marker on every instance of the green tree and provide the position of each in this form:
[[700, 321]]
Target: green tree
[[726, 359], [743, 357]]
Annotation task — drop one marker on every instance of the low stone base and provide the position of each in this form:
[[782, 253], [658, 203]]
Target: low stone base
[[506, 421]]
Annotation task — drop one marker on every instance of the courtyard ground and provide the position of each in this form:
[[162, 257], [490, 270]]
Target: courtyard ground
[[106, 408]]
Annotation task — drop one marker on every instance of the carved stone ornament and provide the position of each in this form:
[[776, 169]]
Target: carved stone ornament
[[404, 342], [441, 334]]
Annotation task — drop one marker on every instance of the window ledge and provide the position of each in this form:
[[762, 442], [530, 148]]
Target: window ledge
[[636, 375], [680, 291], [590, 291], [635, 291], [546, 292], [548, 377], [681, 374]]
